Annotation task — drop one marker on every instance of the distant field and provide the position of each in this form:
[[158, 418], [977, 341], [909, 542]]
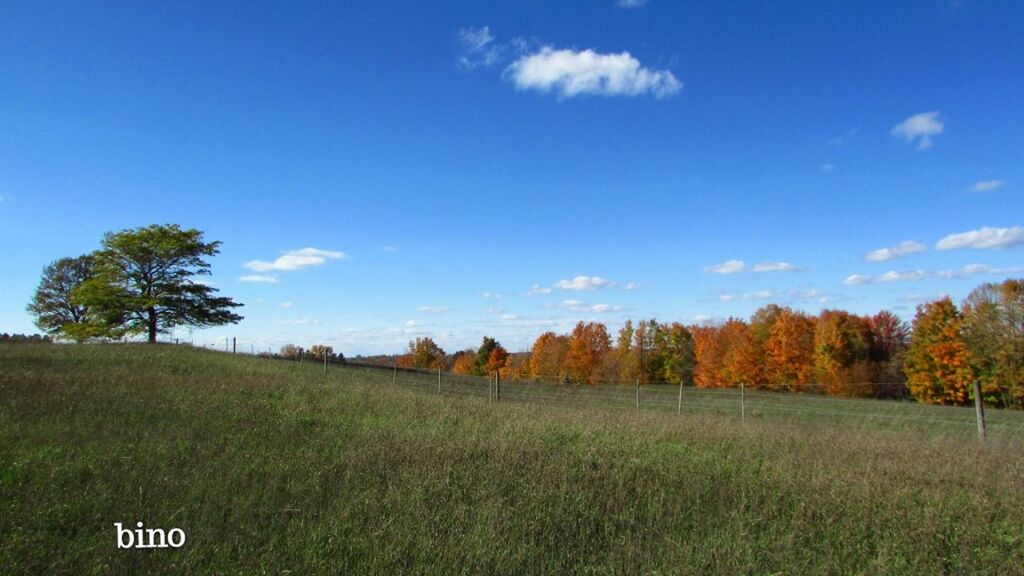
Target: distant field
[[274, 467]]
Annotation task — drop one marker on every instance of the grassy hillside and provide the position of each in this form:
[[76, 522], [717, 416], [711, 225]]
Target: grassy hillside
[[272, 467]]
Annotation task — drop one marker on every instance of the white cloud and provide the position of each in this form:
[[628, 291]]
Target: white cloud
[[490, 295], [433, 309], [748, 296], [631, 286], [583, 283], [411, 324], [774, 267], [296, 260], [538, 289], [579, 306], [389, 248], [630, 3], [983, 238], [260, 278], [898, 251], [728, 267], [901, 275], [285, 304], [572, 73], [920, 127], [914, 275], [987, 185]]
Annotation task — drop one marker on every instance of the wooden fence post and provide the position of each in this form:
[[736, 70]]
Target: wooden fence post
[[979, 410], [638, 395], [743, 404], [438, 380], [680, 409]]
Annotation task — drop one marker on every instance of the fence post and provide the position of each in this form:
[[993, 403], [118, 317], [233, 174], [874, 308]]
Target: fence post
[[743, 404], [497, 386], [680, 409], [490, 388], [234, 345], [979, 410], [438, 380], [325, 360], [638, 395]]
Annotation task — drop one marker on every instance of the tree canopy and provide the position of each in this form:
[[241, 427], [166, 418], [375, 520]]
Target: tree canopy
[[145, 283]]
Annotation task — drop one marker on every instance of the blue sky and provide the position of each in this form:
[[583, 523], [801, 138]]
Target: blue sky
[[398, 169]]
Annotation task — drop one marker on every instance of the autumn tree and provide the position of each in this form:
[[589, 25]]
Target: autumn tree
[[890, 337], [290, 352], [993, 330], [425, 353], [496, 360], [789, 351], [842, 345], [747, 364], [674, 354], [937, 364], [547, 357], [644, 342], [483, 355], [627, 358], [145, 282], [588, 344], [318, 351], [465, 362], [56, 311]]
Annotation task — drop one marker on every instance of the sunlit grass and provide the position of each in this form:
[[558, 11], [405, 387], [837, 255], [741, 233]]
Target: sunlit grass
[[272, 466]]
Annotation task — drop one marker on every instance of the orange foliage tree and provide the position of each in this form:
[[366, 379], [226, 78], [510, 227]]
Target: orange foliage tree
[[937, 365], [789, 351], [588, 344], [547, 357]]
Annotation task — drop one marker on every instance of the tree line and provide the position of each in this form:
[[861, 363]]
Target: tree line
[[935, 359]]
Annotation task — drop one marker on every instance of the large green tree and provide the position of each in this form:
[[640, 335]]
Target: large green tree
[[55, 310], [145, 282]]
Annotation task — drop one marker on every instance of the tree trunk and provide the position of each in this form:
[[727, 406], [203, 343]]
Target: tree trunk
[[152, 325]]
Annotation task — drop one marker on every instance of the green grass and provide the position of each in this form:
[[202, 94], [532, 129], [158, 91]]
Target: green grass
[[273, 467]]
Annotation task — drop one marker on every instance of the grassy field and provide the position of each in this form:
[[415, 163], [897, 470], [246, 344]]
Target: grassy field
[[274, 467]]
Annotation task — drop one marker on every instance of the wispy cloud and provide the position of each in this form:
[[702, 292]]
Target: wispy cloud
[[259, 278], [983, 238], [285, 304], [580, 306], [920, 128], [774, 267], [630, 3], [898, 251], [389, 248], [727, 267], [301, 322], [490, 295], [478, 48], [296, 260], [433, 309], [570, 73], [918, 274], [748, 296], [538, 289], [584, 283], [987, 185]]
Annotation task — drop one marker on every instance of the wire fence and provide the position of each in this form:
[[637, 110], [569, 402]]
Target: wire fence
[[808, 403]]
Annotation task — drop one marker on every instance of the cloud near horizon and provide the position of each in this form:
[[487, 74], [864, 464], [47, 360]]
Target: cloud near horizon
[[570, 73]]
